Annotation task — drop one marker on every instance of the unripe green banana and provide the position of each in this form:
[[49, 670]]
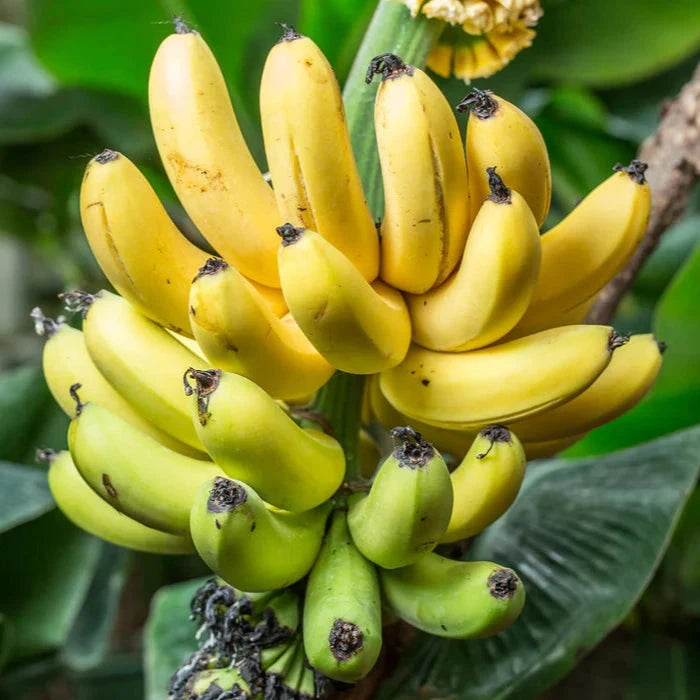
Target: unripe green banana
[[254, 440], [133, 472], [408, 507], [213, 683], [84, 508], [247, 543], [275, 683], [342, 610], [456, 599], [486, 482]]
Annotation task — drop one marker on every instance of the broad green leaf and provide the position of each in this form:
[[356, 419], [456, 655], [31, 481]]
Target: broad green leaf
[[88, 641], [20, 72], [48, 565], [169, 636], [585, 536], [674, 401], [24, 495], [602, 43]]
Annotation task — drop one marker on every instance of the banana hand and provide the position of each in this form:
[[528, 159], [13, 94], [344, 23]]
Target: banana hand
[[207, 159], [501, 383], [132, 472], [456, 599], [308, 149], [486, 482], [426, 195], [358, 327], [247, 543], [239, 333], [342, 608], [495, 281], [254, 440], [84, 508], [501, 135], [408, 507]]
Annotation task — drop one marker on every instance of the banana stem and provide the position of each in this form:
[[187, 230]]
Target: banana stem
[[392, 30], [340, 401]]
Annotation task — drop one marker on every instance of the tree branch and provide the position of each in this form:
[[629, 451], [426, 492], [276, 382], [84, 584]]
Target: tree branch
[[673, 155]]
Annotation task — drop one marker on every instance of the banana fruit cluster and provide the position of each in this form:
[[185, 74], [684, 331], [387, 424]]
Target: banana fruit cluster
[[468, 323]]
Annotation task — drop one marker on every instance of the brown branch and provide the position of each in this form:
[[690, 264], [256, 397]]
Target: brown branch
[[673, 155]]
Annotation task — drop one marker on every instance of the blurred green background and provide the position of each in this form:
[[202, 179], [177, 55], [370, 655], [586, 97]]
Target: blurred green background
[[73, 79]]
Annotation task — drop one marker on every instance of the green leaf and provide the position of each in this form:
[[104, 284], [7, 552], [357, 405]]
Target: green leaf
[[169, 636], [24, 495], [585, 536], [604, 43], [88, 642], [674, 401], [48, 565], [20, 72]]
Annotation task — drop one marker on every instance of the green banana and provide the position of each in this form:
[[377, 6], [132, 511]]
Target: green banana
[[84, 508], [137, 475], [275, 682], [254, 440], [247, 543], [342, 618], [408, 507], [213, 683], [456, 599]]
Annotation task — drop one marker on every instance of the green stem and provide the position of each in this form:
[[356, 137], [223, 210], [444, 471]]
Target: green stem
[[393, 30], [340, 401]]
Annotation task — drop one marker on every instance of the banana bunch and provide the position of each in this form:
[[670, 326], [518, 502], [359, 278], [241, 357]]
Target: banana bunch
[[182, 387]]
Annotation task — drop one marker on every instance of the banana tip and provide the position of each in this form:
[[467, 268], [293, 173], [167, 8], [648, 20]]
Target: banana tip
[[107, 156], [225, 495], [502, 584], [345, 639], [481, 103]]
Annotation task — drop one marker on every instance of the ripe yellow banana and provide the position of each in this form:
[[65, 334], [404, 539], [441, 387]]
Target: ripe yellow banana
[[238, 333], [140, 360], [582, 253], [308, 150], [408, 507], [84, 508], [553, 319], [247, 543], [486, 482], [549, 448], [207, 159], [456, 599], [138, 247], [66, 362], [358, 327], [501, 135], [501, 383], [134, 473], [254, 440], [426, 194], [495, 281], [342, 608], [629, 376], [454, 442]]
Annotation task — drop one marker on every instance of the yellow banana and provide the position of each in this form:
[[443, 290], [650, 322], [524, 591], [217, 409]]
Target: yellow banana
[[501, 383], [237, 332], [501, 135], [139, 359], [308, 150], [553, 319], [549, 448], [84, 508], [140, 250], [134, 473], [342, 608], [629, 376], [582, 253], [254, 440], [66, 362], [486, 482], [358, 327], [495, 281], [408, 507], [207, 159], [454, 442], [426, 194], [456, 599], [248, 544]]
